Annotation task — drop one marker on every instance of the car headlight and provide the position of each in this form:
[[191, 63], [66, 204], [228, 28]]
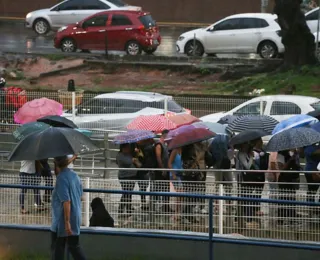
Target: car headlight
[[28, 15], [181, 38], [62, 28]]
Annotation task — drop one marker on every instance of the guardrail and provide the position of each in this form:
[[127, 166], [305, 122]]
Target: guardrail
[[211, 224]]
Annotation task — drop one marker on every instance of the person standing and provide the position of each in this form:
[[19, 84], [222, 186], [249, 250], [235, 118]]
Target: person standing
[[29, 176], [66, 212]]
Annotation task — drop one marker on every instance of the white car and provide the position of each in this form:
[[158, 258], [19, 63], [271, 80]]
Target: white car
[[279, 107], [69, 12], [241, 33], [114, 111], [312, 19]]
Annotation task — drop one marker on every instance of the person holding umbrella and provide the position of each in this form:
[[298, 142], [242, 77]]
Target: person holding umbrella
[[66, 211]]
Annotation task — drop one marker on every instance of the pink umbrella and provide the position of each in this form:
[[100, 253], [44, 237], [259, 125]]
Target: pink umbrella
[[37, 108]]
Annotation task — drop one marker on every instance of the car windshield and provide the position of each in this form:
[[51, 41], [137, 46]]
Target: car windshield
[[147, 21], [118, 3], [316, 105]]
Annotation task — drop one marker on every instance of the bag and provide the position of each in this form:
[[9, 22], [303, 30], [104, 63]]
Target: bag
[[15, 97]]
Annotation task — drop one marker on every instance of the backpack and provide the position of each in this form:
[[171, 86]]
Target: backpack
[[15, 97]]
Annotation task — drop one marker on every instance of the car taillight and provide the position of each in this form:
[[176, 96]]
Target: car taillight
[[279, 33]]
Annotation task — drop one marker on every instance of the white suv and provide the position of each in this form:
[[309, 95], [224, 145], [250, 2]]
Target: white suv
[[114, 111], [241, 33], [312, 19]]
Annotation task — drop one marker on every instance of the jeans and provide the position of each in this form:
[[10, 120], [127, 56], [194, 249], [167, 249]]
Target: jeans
[[58, 245], [29, 180], [127, 184]]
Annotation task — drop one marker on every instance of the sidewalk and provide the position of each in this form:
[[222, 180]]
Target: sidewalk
[[161, 24]]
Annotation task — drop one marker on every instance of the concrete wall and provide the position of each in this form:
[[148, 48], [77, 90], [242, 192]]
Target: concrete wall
[[104, 246], [200, 11]]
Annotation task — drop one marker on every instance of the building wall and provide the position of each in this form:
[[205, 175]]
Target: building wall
[[200, 11]]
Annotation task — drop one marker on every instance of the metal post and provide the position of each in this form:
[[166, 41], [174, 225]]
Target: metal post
[[73, 106], [210, 229], [106, 44], [106, 155], [261, 107], [194, 45], [318, 32], [87, 203], [221, 202], [165, 106]]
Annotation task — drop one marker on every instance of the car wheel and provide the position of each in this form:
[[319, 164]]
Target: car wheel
[[150, 51], [133, 48], [268, 50], [194, 48], [68, 45], [41, 26]]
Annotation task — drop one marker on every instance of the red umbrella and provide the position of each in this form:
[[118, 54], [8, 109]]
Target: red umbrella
[[193, 136], [183, 119], [154, 123], [37, 108]]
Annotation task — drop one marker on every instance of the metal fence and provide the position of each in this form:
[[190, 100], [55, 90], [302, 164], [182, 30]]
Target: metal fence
[[294, 222], [113, 113]]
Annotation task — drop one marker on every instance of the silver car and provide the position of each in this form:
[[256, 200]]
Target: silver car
[[71, 11]]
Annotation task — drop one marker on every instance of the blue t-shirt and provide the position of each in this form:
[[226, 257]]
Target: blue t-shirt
[[68, 188], [311, 163]]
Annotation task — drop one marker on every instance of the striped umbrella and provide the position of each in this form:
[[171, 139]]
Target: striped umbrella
[[154, 123], [228, 119], [253, 122]]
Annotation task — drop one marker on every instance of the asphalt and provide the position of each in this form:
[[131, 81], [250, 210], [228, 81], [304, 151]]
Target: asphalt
[[15, 37]]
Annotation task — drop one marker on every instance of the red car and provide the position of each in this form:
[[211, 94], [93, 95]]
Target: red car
[[130, 31]]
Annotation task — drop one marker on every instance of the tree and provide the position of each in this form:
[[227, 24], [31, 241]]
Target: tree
[[297, 38]]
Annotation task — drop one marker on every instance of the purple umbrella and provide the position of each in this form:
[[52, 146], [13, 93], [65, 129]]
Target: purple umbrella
[[133, 136], [180, 130]]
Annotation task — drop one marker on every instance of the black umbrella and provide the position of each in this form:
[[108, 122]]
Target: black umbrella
[[293, 138], [253, 122], [227, 119], [57, 121], [247, 136], [52, 142], [315, 113]]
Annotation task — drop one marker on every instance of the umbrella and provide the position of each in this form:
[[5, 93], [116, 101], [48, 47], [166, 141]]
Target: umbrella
[[52, 142], [227, 119], [57, 121], [84, 131], [293, 138], [295, 121], [315, 113], [252, 122], [316, 127], [37, 108], [133, 136], [194, 136], [180, 130], [27, 129], [183, 119], [154, 123], [213, 127], [247, 136]]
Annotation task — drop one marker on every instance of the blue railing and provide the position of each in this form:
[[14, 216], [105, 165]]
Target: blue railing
[[210, 238]]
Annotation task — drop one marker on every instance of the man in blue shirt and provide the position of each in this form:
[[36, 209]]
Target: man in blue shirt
[[312, 155], [66, 211]]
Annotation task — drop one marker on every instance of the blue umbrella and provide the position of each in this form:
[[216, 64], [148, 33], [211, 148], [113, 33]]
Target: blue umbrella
[[316, 127], [293, 138], [293, 122], [133, 136], [213, 127]]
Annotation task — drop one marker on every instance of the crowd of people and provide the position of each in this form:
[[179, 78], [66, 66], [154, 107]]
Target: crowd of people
[[249, 158]]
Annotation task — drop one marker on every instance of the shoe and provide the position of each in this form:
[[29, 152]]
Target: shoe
[[40, 207]]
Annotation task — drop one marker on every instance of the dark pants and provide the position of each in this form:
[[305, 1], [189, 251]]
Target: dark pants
[[47, 176], [286, 192], [143, 184], [127, 184], [312, 188], [160, 183], [58, 245], [190, 186], [30, 180], [248, 209]]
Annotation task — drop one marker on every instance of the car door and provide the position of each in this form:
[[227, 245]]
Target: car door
[[249, 35], [281, 110], [312, 20], [65, 13], [93, 35], [119, 32], [91, 7], [255, 108], [220, 38]]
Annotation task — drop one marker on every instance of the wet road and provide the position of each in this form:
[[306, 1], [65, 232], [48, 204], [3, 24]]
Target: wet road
[[14, 37]]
